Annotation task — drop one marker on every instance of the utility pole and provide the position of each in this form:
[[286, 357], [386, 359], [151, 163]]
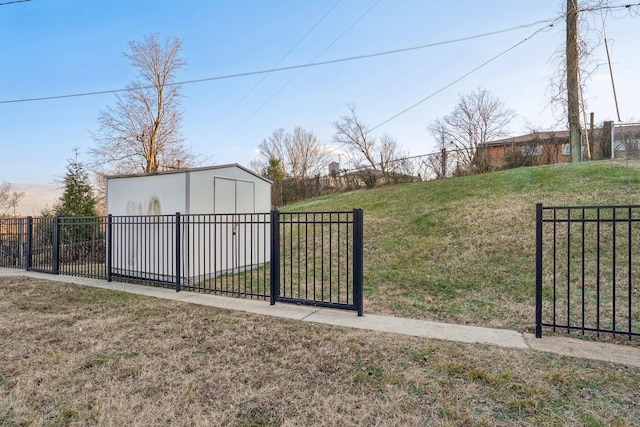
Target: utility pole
[[573, 88]]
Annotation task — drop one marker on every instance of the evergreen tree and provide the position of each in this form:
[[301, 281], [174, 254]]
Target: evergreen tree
[[77, 198], [274, 171], [80, 237]]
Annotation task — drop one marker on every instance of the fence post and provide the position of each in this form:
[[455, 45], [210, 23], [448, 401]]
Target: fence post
[[539, 270], [56, 245], [275, 257], [109, 247], [21, 242], [29, 242], [358, 260], [178, 244]]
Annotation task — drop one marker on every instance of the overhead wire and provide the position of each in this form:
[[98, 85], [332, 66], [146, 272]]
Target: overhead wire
[[629, 7], [13, 2], [313, 63], [250, 116], [546, 27], [232, 109], [271, 70]]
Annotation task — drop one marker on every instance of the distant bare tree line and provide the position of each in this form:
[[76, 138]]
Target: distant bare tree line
[[9, 199], [444, 163], [430, 166]]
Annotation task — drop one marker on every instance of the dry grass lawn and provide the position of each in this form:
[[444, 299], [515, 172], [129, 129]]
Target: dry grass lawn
[[73, 355]]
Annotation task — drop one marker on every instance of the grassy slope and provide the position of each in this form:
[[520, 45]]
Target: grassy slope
[[462, 249]]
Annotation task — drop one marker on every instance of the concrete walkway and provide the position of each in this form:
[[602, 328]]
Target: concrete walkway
[[420, 328]]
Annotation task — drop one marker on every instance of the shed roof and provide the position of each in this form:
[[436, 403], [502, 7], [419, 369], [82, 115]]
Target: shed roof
[[197, 169]]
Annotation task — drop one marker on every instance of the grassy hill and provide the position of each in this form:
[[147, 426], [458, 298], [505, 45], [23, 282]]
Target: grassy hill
[[462, 249]]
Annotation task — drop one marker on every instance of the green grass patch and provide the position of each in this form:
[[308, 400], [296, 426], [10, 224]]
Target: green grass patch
[[463, 249]]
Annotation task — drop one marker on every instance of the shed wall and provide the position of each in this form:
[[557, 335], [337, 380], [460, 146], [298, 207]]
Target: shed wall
[[210, 244], [146, 195]]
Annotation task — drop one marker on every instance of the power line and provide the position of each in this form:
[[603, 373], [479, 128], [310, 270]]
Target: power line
[[465, 75], [627, 6], [267, 74], [299, 72], [553, 22], [277, 69], [13, 2]]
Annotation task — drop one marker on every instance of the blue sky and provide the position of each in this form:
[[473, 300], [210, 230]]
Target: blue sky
[[64, 47]]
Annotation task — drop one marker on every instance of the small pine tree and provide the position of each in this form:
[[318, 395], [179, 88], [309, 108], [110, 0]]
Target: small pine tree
[[81, 238], [77, 198], [274, 171]]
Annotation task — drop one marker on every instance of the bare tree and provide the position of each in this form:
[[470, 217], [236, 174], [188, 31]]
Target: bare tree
[[479, 117], [9, 199], [393, 163], [306, 156], [354, 134], [383, 154], [436, 163], [142, 133], [299, 153], [274, 147]]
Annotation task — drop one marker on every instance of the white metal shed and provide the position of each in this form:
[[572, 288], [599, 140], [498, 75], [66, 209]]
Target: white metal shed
[[215, 189], [210, 245]]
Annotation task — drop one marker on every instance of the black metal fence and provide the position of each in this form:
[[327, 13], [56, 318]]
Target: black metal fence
[[305, 258], [586, 279], [13, 237], [332, 275], [227, 254]]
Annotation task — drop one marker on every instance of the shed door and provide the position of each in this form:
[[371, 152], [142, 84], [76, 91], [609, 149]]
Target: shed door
[[233, 195], [245, 197], [236, 198], [224, 195]]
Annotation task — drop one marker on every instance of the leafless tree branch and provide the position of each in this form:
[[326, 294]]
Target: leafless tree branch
[[142, 132], [479, 117], [299, 153]]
